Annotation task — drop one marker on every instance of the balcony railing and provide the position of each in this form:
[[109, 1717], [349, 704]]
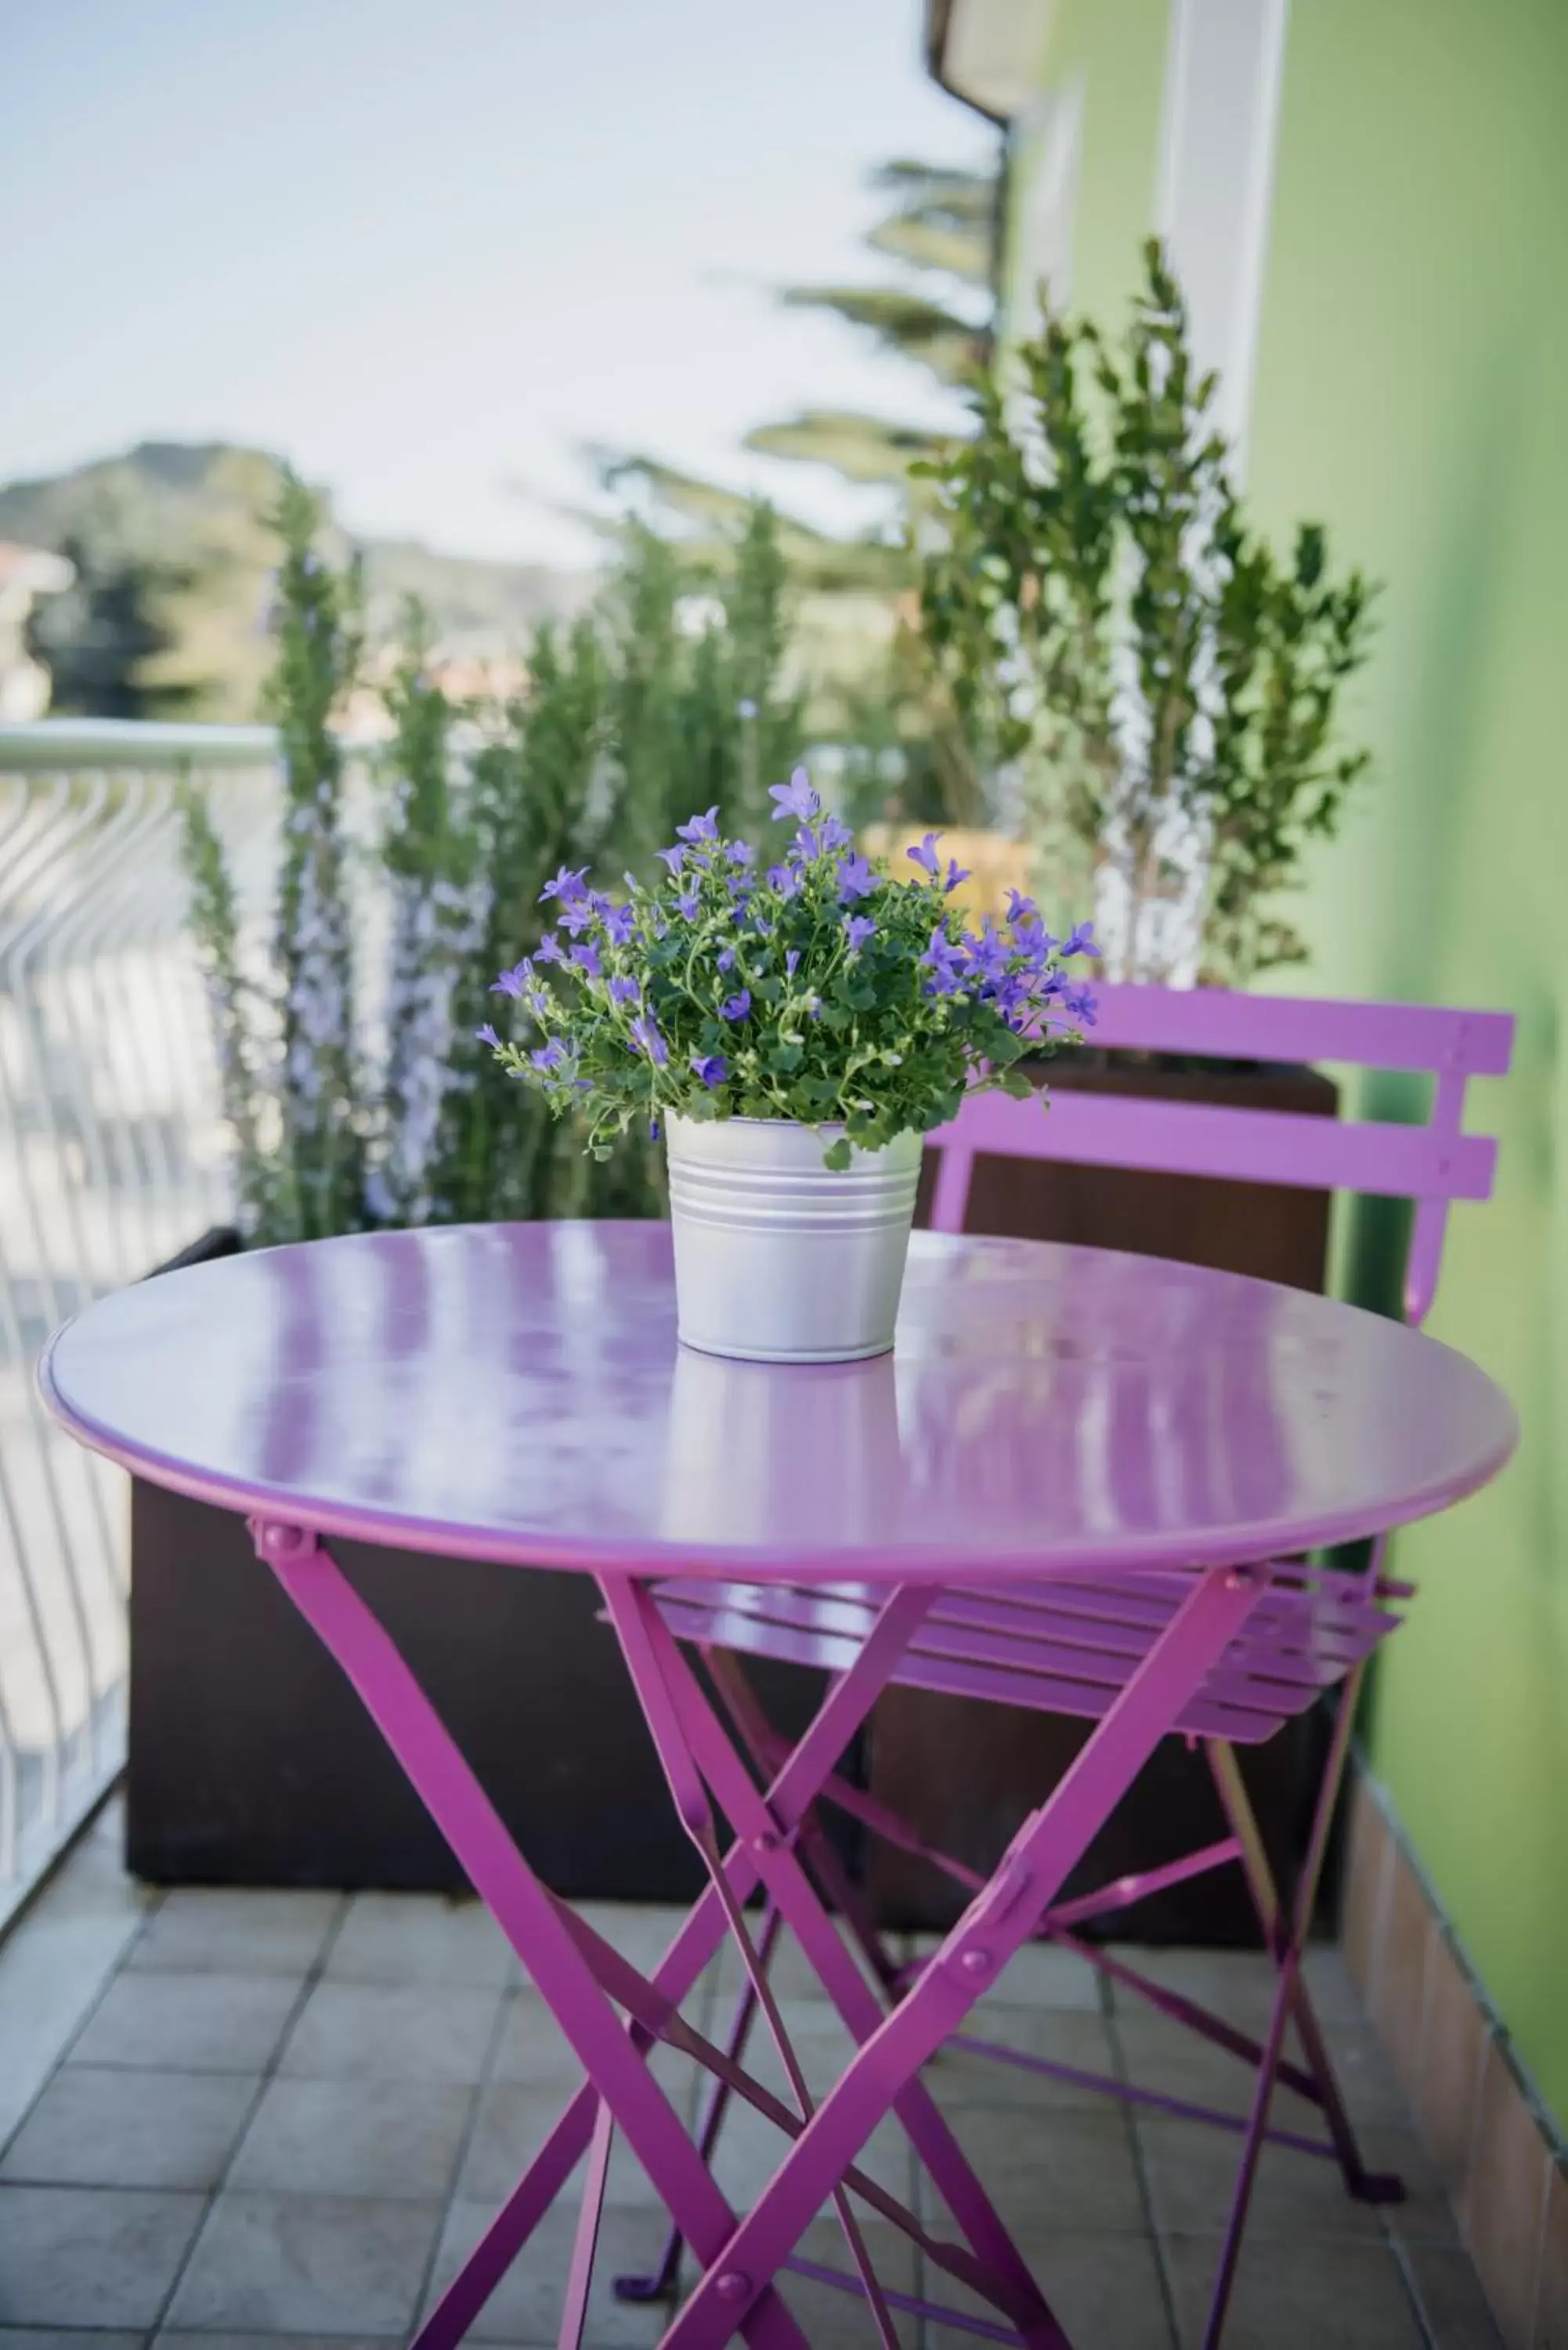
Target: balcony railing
[[111, 1160]]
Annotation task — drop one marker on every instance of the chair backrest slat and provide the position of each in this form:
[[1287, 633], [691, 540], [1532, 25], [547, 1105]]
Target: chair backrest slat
[[1211, 1020], [1251, 1145], [1428, 1164]]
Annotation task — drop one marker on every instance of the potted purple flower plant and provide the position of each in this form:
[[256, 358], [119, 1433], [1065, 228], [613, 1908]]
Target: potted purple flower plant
[[793, 1029]]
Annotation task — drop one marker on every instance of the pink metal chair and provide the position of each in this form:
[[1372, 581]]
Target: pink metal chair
[[1071, 1648]]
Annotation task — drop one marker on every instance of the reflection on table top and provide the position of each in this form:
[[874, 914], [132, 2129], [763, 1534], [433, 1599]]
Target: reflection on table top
[[516, 1392]]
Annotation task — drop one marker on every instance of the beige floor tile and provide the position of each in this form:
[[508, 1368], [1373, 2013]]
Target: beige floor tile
[[960, 2076], [1295, 2296], [37, 2337], [168, 2340], [1051, 2172], [410, 1937], [57, 1958], [1042, 1975], [790, 1971], [1104, 2288], [105, 2126], [1173, 2061], [356, 2136], [1237, 1985], [1452, 2302], [90, 2256], [534, 2051], [833, 2319], [751, 2150], [416, 2031], [234, 1931], [192, 2022], [1191, 2174], [306, 2263], [525, 2307]]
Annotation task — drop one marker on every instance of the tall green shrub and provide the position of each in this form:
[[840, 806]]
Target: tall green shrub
[[672, 694], [1109, 623], [436, 871]]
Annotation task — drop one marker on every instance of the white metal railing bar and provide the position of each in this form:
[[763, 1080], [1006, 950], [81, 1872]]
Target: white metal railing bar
[[111, 1159]]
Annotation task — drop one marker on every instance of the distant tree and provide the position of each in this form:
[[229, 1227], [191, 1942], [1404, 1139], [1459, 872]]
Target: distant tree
[[101, 639], [907, 755]]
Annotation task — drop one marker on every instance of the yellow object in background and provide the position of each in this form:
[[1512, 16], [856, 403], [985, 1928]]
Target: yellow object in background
[[994, 863]]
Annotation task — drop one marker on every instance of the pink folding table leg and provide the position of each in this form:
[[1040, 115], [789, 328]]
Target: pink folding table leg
[[1286, 1934], [514, 1898], [994, 1925], [659, 2283], [789, 1795], [678, 1714]]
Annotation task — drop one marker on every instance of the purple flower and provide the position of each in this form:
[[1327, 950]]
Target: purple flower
[[784, 879], [792, 961], [580, 914], [1029, 934], [726, 958], [1019, 907], [795, 798], [700, 827], [1081, 941], [857, 929], [487, 1035], [646, 1038], [987, 954], [712, 1068], [620, 924], [831, 835], [1082, 1003], [737, 1006], [515, 982], [855, 879], [742, 853], [623, 991], [945, 962], [565, 886], [674, 858], [586, 959], [687, 904], [955, 874], [926, 855], [548, 949], [552, 1055]]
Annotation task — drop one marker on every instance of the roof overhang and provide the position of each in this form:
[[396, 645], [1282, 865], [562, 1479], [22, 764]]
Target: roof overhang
[[988, 53]]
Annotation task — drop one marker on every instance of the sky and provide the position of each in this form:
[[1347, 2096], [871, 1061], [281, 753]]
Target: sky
[[427, 253]]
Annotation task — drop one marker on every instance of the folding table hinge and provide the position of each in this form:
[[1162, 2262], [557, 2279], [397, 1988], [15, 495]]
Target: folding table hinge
[[972, 1957], [280, 1543]]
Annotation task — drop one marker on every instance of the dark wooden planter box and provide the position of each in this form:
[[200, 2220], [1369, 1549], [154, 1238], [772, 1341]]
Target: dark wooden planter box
[[966, 1773], [252, 1762]]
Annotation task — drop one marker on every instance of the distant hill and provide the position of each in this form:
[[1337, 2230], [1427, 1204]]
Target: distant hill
[[188, 519]]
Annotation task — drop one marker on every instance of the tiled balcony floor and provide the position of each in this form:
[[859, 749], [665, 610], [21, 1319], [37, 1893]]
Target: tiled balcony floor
[[231, 2116]]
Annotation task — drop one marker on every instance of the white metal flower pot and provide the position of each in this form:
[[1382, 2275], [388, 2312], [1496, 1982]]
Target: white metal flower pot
[[777, 1258]]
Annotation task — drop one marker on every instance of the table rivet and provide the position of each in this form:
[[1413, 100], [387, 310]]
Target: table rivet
[[733, 2285], [767, 1841], [976, 1963]]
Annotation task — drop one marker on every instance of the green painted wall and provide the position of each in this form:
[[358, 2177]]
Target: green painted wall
[[1116, 55], [1412, 392], [1412, 371]]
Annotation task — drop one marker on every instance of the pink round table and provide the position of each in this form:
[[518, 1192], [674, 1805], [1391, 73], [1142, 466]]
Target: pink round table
[[1054, 1422]]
